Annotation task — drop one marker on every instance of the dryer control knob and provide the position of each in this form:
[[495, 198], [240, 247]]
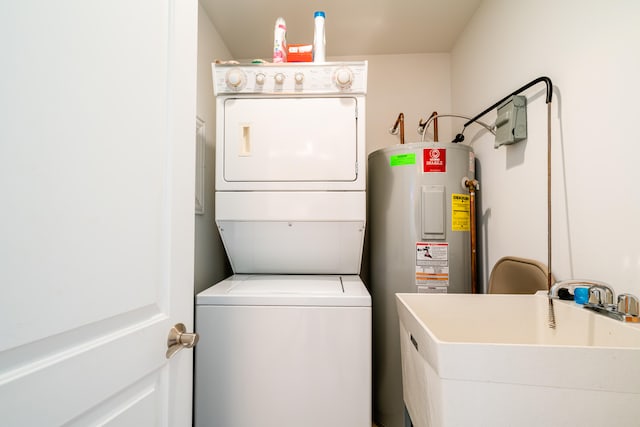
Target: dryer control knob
[[299, 77], [344, 78], [279, 78], [235, 79], [260, 79]]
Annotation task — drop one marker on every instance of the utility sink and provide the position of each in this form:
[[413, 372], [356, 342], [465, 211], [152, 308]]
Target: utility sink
[[492, 360]]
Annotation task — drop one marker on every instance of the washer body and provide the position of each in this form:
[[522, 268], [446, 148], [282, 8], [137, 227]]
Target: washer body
[[279, 351]]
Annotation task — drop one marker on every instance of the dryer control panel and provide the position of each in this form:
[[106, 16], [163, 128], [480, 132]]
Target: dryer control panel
[[290, 78]]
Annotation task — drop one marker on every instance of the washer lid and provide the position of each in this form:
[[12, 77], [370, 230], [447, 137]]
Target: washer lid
[[294, 290]]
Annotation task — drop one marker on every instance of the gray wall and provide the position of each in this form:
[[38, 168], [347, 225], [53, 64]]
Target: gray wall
[[211, 264]]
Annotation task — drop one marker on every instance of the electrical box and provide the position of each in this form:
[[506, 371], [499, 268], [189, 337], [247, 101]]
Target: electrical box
[[511, 124]]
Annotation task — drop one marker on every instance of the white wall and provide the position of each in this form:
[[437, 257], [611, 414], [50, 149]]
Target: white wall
[[211, 263], [415, 85], [590, 49]]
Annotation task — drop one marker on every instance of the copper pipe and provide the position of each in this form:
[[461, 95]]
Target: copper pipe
[[422, 126], [399, 123], [551, 312], [435, 126], [473, 185]]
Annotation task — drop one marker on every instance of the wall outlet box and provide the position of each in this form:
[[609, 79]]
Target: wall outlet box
[[511, 124]]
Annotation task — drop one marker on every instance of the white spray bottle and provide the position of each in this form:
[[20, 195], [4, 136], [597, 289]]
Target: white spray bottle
[[319, 42]]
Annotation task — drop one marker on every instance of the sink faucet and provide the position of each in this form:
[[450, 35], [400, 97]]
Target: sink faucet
[[601, 299], [601, 288]]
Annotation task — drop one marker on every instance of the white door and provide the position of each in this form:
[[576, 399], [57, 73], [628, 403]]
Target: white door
[[97, 130]]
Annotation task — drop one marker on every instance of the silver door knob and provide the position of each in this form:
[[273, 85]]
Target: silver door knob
[[179, 338]]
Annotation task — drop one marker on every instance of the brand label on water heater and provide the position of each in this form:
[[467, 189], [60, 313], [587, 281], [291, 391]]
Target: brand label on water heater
[[434, 160], [432, 264]]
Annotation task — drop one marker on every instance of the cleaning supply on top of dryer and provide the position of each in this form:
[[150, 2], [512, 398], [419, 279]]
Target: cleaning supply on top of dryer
[[299, 53], [280, 41], [319, 42]]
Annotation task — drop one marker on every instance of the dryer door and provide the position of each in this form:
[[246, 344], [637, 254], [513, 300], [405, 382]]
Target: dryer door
[[282, 140]]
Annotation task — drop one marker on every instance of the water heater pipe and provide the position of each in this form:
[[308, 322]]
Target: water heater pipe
[[422, 126], [459, 137], [473, 186], [435, 125], [398, 124]]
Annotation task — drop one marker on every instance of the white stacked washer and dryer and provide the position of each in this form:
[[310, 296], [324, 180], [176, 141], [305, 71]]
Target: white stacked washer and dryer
[[286, 340]]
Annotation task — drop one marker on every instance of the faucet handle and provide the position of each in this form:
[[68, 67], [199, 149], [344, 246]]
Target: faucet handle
[[628, 304], [600, 295]]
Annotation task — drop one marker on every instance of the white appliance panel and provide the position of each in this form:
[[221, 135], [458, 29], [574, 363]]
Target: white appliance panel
[[318, 247], [290, 139], [287, 290], [290, 206], [290, 79], [280, 285]]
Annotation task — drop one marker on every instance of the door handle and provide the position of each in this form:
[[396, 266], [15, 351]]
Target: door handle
[[179, 338]]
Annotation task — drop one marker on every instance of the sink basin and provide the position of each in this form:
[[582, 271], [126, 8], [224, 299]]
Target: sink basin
[[492, 360]]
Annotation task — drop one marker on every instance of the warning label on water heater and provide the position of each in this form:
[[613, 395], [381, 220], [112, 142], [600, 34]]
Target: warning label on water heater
[[432, 265], [460, 212]]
